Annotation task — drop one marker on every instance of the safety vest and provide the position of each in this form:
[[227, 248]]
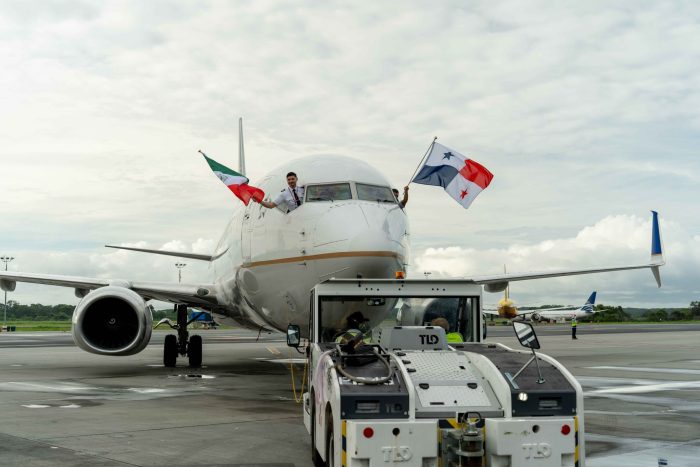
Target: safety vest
[[573, 323], [454, 337]]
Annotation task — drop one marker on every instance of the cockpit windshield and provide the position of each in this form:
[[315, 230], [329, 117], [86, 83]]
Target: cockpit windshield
[[328, 192], [381, 194], [340, 315]]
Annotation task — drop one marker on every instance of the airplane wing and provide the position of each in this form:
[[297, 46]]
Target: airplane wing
[[498, 282], [190, 294], [179, 254]]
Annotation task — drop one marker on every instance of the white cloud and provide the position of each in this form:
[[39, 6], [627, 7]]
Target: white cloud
[[580, 110]]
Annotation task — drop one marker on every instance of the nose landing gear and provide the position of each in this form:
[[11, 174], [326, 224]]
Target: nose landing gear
[[181, 344]]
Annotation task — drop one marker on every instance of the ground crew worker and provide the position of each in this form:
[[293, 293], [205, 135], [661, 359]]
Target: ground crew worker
[[573, 328], [453, 337], [356, 323]]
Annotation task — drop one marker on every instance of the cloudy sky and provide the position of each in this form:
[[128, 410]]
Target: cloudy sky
[[588, 114]]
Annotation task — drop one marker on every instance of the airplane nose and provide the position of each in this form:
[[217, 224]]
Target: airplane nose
[[385, 228], [371, 238]]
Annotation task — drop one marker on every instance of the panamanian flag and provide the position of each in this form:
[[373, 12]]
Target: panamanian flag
[[462, 178], [235, 182]]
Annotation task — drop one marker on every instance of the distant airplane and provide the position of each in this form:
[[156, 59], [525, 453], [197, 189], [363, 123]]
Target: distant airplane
[[552, 314], [506, 309], [561, 313], [266, 262]]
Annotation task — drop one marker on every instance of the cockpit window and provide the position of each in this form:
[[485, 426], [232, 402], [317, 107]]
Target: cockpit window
[[381, 194], [328, 192]]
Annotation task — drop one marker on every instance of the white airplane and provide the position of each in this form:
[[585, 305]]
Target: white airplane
[[554, 314], [266, 262], [551, 314]]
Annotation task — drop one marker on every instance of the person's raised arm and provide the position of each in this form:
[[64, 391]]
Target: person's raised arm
[[405, 196], [267, 204]]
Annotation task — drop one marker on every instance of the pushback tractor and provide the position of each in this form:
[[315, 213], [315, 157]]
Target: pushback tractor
[[399, 375]]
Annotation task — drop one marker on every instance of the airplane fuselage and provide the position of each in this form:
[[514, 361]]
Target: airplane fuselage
[[564, 315]]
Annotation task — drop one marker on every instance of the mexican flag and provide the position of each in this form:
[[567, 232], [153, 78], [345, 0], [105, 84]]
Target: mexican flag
[[235, 182]]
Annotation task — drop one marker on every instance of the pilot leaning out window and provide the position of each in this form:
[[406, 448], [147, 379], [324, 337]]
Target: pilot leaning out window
[[291, 197]]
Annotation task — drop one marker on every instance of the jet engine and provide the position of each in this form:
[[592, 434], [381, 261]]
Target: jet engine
[[112, 321]]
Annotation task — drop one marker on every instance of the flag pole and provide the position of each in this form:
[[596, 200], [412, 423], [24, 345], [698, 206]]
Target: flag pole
[[430, 148]]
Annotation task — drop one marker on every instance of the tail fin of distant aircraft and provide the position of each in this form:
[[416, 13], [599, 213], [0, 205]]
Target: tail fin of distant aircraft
[[591, 299], [588, 306], [241, 151]]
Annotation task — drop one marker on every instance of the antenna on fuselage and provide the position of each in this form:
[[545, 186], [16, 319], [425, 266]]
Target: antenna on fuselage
[[241, 151]]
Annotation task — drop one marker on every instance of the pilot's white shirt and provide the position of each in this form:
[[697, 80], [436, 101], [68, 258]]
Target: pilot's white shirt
[[287, 198]]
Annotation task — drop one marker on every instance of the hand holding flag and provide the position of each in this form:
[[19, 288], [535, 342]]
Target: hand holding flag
[[236, 182], [463, 179]]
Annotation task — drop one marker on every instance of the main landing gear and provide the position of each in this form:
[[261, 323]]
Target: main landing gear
[[182, 344]]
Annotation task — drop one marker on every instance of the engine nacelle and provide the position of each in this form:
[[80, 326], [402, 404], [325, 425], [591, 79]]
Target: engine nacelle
[[495, 287], [112, 321]]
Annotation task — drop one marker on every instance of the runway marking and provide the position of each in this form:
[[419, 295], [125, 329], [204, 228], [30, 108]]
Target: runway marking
[[644, 369], [274, 351], [70, 406], [648, 388], [284, 361], [633, 413], [147, 390], [36, 406], [192, 376], [25, 386], [636, 451]]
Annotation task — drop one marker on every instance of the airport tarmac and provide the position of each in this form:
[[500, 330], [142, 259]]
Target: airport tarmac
[[60, 406]]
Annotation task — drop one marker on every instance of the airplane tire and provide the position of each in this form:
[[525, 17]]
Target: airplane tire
[[170, 351], [194, 351]]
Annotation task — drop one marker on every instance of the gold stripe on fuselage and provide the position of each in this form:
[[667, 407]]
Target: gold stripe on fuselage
[[343, 254]]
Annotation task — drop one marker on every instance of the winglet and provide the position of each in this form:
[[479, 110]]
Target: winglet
[[241, 152], [657, 255], [655, 236]]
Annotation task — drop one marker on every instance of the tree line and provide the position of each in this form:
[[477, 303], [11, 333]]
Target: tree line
[[617, 313], [37, 312]]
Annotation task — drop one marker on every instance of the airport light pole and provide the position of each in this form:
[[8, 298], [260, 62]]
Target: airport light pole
[[5, 259], [179, 267]]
